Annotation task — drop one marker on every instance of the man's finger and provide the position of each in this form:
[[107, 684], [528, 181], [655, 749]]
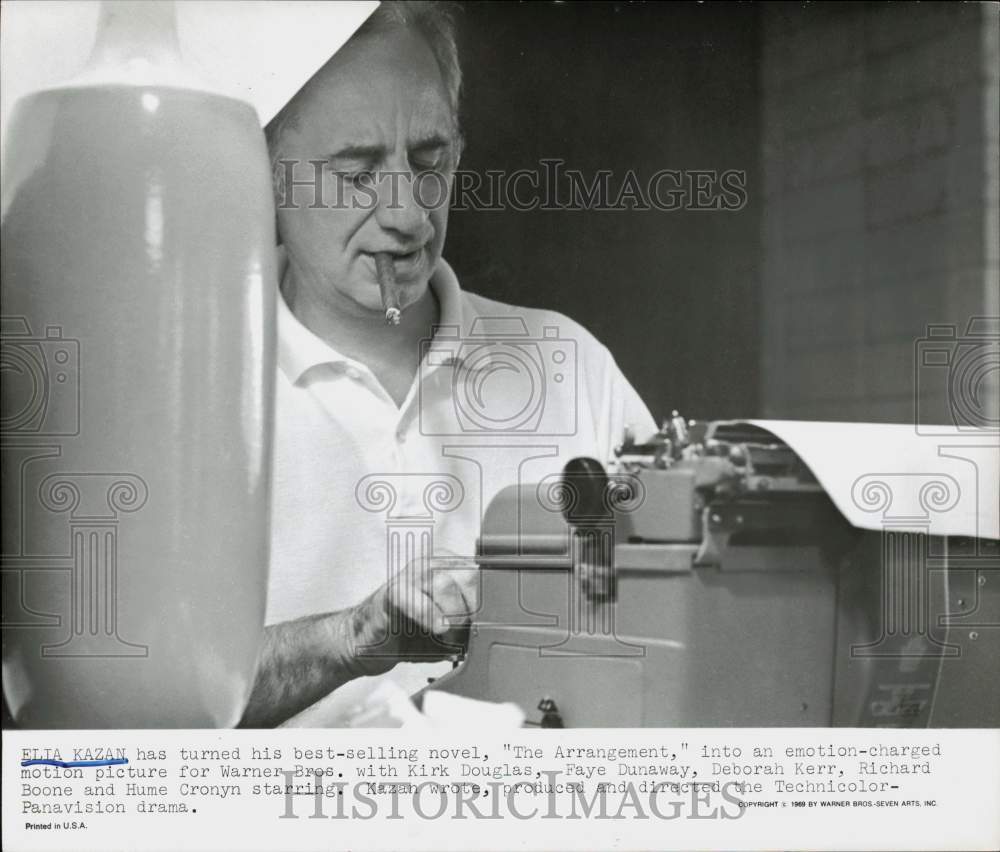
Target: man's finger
[[454, 601], [417, 604], [466, 580], [437, 594]]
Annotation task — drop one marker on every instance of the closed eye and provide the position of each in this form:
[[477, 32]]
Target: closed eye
[[355, 163], [432, 153], [357, 178], [428, 161]]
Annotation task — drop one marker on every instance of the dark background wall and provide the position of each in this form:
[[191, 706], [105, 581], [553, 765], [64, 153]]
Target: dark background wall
[[869, 137], [673, 294], [880, 151]]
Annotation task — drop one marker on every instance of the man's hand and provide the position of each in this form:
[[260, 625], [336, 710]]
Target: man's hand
[[421, 615]]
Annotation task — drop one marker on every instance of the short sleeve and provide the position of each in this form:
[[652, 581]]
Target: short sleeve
[[619, 407]]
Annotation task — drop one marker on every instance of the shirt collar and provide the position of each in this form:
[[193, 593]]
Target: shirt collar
[[299, 349]]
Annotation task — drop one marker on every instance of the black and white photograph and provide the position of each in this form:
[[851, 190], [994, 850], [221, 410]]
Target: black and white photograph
[[535, 373]]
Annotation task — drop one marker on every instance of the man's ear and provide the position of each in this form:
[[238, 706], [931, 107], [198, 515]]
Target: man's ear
[[287, 120]]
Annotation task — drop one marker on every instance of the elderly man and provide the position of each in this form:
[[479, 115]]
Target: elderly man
[[391, 440]]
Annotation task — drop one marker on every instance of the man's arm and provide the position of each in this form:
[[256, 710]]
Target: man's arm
[[621, 406], [411, 618], [303, 660]]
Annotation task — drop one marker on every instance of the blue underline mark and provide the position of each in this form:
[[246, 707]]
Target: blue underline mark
[[68, 764]]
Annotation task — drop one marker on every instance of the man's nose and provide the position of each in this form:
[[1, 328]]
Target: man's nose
[[399, 208]]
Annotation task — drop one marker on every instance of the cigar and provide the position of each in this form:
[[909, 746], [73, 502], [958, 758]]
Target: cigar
[[387, 287]]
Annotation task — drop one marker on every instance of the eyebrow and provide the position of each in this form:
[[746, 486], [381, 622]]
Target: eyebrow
[[427, 142], [368, 153], [358, 152]]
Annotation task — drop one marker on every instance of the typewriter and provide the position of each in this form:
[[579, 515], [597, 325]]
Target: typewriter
[[707, 578]]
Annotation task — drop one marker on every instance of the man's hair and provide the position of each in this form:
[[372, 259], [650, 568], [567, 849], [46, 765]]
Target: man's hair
[[434, 21]]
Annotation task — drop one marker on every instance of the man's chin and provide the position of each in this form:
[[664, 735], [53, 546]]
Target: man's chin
[[410, 294]]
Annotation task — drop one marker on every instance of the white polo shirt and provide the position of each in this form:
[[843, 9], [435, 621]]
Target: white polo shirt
[[360, 485]]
